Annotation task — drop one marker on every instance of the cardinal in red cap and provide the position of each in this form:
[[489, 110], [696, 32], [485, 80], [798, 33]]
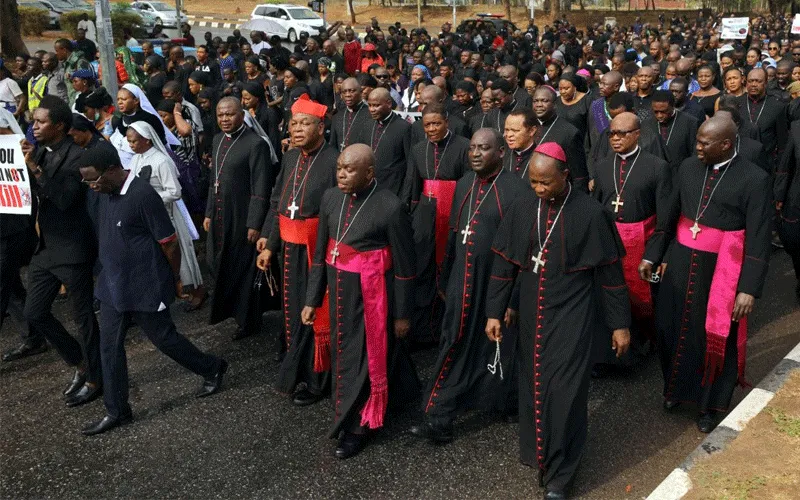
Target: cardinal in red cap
[[304, 105]]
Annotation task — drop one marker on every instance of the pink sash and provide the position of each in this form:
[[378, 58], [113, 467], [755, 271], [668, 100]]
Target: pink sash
[[729, 247], [371, 266], [634, 236], [443, 191]]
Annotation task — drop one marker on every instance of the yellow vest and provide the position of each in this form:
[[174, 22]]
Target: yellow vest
[[36, 91]]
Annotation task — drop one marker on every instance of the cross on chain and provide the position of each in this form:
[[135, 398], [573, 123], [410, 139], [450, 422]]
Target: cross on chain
[[293, 208], [334, 254], [466, 232], [538, 261], [617, 203], [695, 229]]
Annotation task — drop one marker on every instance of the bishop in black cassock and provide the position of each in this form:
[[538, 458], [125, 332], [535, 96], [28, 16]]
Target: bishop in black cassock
[[676, 128], [242, 179], [787, 199], [365, 258], [389, 137], [560, 245], [351, 121], [766, 114], [434, 167], [519, 134], [308, 170], [461, 380], [719, 215]]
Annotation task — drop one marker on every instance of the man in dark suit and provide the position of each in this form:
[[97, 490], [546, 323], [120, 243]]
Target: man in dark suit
[[66, 250]]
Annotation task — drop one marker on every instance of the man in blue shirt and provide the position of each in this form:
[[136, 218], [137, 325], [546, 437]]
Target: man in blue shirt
[[140, 273]]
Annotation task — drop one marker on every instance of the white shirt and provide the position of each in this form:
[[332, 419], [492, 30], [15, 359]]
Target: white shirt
[[132, 42], [258, 46], [88, 27], [9, 91]]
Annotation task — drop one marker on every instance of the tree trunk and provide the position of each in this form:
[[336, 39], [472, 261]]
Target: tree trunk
[[507, 4], [10, 35], [580, 3], [555, 9], [352, 11]]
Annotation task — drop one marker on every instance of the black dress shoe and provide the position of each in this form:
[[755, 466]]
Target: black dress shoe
[[23, 351], [213, 384], [306, 398], [554, 495], [241, 333], [85, 394], [350, 445], [435, 433], [707, 422], [671, 405], [77, 382], [106, 424]]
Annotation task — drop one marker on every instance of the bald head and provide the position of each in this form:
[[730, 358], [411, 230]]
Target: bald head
[[610, 83], [490, 136], [440, 82], [715, 140], [486, 150], [625, 121], [430, 94], [624, 132], [509, 73], [719, 128], [684, 66], [355, 168], [380, 94]]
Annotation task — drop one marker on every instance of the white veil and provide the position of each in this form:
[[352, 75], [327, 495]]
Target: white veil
[[7, 120], [145, 104]]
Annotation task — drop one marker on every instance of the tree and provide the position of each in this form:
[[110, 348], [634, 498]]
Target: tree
[[351, 11], [507, 4], [10, 35], [555, 9]]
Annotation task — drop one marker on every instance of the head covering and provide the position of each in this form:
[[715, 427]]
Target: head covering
[[557, 56], [85, 73], [98, 98], [255, 89], [148, 132], [793, 87], [200, 77], [766, 63], [83, 124], [258, 129], [155, 62], [144, 103], [584, 73], [368, 47], [207, 93], [134, 73], [7, 120], [306, 106], [102, 157], [424, 70], [553, 150]]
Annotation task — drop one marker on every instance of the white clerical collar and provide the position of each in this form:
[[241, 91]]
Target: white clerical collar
[[234, 133], [625, 156], [718, 166], [127, 184], [522, 151]]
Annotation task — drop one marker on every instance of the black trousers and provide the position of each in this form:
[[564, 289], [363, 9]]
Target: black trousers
[[160, 329], [43, 286], [13, 250]]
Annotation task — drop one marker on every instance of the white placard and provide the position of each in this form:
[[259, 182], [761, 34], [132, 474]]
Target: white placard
[[796, 25], [15, 187], [734, 28], [409, 116]]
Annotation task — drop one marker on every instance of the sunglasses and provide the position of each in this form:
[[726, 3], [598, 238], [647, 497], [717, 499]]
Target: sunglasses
[[382, 76], [621, 133], [93, 181]]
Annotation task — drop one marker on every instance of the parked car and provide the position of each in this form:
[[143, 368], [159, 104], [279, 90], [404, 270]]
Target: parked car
[[36, 4], [163, 13], [59, 6], [483, 20], [291, 19], [80, 5]]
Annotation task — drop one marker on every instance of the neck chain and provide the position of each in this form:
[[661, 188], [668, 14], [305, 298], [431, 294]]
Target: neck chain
[[471, 214], [383, 132], [702, 209], [671, 128], [338, 240], [218, 165], [347, 125], [295, 188], [435, 163], [548, 129], [537, 260], [750, 116], [620, 189]]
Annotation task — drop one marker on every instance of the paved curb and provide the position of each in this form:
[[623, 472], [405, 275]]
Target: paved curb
[[215, 22], [677, 483]]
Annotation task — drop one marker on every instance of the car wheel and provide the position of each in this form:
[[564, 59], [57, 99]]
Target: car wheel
[[292, 36]]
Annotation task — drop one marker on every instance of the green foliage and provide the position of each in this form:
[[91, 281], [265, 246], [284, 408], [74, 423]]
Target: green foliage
[[785, 423], [33, 21], [120, 18]]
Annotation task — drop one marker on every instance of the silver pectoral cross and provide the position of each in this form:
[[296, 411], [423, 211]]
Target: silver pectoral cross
[[334, 254], [695, 229], [466, 232], [617, 203], [538, 261], [292, 208], [216, 186]]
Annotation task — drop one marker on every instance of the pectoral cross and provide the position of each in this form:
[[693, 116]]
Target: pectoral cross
[[695, 229], [293, 208], [430, 194], [617, 203], [216, 186], [538, 261], [334, 254], [466, 232]]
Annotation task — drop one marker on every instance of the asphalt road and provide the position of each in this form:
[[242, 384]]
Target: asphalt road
[[250, 442]]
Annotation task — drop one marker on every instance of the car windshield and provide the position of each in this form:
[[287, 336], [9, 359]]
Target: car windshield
[[60, 4], [162, 7], [34, 5], [302, 14]]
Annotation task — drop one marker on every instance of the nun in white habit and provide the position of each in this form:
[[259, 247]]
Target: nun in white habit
[[152, 162]]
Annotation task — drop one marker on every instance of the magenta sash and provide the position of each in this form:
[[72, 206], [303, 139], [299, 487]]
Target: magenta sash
[[443, 191], [371, 266], [729, 247], [634, 237]]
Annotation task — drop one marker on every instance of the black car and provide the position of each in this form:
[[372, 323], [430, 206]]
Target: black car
[[483, 21]]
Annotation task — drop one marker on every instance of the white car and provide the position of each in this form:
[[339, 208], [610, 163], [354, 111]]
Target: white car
[[162, 12], [292, 19]]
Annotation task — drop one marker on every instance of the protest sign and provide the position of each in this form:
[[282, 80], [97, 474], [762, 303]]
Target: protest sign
[[15, 187], [734, 28]]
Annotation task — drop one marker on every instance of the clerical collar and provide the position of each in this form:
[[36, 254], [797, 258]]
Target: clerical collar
[[314, 151], [356, 109], [757, 99], [547, 121], [520, 152], [625, 156], [725, 163], [671, 117], [489, 178], [236, 132], [442, 140], [57, 145], [361, 193], [386, 120]]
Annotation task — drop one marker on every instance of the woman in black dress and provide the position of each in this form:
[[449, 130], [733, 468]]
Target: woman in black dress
[[708, 94], [573, 105]]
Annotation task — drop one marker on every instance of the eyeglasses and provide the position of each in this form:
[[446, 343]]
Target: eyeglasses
[[773, 48], [621, 133], [382, 76], [93, 181]]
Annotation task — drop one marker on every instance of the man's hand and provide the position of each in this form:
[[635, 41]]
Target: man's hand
[[308, 315], [646, 270], [179, 289], [401, 328], [744, 305], [261, 244], [511, 317], [27, 151], [620, 341], [493, 330], [778, 205], [252, 235], [262, 262], [178, 108], [207, 224], [591, 185]]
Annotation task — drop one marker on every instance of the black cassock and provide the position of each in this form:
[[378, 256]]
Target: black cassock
[[383, 222], [560, 131], [558, 308], [446, 160], [646, 181], [753, 151], [516, 162], [678, 133], [741, 201], [390, 141], [768, 116], [348, 125], [480, 120], [303, 179], [787, 191], [455, 125], [649, 141], [242, 179], [461, 380]]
